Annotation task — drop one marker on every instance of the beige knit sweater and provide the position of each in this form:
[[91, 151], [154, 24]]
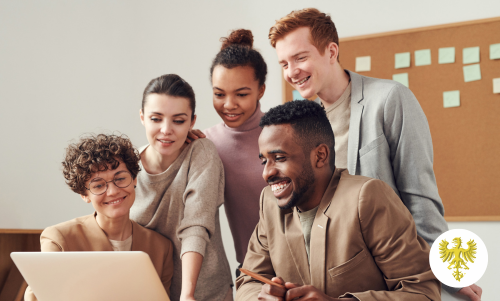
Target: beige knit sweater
[[182, 203]]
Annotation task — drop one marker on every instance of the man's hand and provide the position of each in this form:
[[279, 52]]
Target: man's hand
[[193, 135], [271, 292], [473, 291], [308, 292]]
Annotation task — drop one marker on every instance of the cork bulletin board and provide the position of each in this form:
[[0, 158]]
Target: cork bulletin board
[[466, 138]]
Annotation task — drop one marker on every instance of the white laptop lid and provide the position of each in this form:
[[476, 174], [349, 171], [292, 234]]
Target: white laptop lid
[[96, 276]]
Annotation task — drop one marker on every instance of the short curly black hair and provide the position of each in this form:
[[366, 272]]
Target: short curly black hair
[[309, 121], [93, 153]]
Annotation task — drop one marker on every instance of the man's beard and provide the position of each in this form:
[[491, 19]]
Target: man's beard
[[304, 182]]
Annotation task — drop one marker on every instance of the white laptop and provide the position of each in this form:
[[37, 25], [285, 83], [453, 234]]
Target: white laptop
[[96, 276]]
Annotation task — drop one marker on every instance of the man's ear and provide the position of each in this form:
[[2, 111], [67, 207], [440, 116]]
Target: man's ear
[[85, 198], [333, 52], [322, 156]]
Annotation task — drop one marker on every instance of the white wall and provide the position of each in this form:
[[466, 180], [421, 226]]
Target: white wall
[[73, 67]]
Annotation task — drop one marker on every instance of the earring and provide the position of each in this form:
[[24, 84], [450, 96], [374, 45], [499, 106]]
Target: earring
[[135, 186]]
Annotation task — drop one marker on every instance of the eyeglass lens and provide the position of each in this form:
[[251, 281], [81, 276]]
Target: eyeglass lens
[[121, 179]]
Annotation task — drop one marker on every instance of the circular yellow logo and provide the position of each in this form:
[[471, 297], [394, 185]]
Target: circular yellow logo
[[458, 258]]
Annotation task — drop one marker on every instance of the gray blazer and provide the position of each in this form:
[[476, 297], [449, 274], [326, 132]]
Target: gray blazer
[[390, 140]]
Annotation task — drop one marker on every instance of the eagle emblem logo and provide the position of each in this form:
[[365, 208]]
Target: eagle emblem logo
[[457, 256]]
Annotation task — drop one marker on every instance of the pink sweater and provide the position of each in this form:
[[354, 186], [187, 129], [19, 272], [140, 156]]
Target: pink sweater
[[238, 149]]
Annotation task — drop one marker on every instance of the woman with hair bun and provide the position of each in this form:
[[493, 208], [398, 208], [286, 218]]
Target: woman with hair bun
[[179, 191], [238, 76]]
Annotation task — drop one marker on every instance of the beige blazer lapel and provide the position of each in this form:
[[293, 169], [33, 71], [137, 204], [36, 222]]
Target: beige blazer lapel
[[318, 236], [355, 121], [296, 245], [96, 238]]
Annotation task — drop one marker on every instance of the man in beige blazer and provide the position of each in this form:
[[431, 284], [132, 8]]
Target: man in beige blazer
[[361, 242]]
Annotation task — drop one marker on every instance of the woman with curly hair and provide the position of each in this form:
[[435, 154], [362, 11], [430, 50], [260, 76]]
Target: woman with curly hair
[[103, 170], [180, 189]]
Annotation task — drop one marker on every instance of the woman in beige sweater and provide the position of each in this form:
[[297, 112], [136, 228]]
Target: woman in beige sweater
[[179, 191], [103, 170]]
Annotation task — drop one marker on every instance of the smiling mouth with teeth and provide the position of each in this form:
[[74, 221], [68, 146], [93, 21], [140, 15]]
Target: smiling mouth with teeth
[[278, 187], [165, 141], [303, 81], [115, 201]]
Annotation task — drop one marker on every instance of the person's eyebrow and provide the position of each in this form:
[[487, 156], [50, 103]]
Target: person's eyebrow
[[240, 89], [299, 53], [294, 56], [243, 88], [156, 113], [180, 114], [277, 151], [282, 62]]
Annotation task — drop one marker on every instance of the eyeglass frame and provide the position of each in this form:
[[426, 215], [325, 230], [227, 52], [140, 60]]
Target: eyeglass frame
[[122, 171]]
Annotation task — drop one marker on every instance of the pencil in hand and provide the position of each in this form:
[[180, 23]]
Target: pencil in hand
[[261, 278]]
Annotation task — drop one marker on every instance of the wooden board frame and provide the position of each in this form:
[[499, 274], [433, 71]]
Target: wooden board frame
[[464, 140], [12, 286]]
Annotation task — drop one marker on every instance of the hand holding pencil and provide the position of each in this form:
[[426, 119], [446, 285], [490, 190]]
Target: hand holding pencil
[[275, 288], [288, 291], [261, 278]]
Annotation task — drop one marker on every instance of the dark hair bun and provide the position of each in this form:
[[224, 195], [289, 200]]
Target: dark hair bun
[[242, 37]]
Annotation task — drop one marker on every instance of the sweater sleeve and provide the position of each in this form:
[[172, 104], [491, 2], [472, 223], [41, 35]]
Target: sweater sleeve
[[202, 198], [168, 267]]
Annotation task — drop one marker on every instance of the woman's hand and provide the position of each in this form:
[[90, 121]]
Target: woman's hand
[[194, 134]]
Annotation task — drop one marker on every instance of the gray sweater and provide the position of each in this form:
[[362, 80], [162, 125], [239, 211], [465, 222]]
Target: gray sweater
[[182, 204]]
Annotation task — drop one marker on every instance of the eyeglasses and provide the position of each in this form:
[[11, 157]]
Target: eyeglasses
[[99, 186]]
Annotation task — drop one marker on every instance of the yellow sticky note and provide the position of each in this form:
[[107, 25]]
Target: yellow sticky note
[[422, 57], [451, 99], [495, 51], [496, 85], [363, 63], [472, 73], [401, 78], [402, 60], [446, 55], [470, 55]]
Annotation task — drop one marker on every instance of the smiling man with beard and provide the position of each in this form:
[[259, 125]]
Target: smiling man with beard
[[325, 234]]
